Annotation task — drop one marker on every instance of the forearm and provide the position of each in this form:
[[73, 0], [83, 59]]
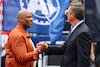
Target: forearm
[[58, 50], [92, 56], [24, 58], [92, 48]]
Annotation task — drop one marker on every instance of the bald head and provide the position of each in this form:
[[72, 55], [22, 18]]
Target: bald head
[[25, 18], [21, 13]]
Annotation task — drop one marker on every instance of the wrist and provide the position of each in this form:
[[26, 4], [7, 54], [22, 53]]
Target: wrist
[[92, 54], [39, 50]]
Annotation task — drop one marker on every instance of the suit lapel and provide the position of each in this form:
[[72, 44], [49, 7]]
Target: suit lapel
[[74, 32]]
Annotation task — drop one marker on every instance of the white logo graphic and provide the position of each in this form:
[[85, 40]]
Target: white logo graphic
[[44, 11]]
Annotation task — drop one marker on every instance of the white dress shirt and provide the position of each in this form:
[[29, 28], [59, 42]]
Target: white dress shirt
[[73, 28]]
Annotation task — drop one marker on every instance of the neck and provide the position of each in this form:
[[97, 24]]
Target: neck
[[22, 26], [74, 22]]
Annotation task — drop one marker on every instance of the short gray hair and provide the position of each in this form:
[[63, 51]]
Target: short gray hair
[[78, 9]]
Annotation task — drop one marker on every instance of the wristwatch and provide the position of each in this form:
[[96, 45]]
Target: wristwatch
[[91, 55]]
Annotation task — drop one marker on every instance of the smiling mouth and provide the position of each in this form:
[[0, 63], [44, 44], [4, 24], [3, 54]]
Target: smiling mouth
[[30, 22]]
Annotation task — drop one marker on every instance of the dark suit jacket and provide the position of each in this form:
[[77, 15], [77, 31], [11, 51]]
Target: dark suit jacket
[[76, 49]]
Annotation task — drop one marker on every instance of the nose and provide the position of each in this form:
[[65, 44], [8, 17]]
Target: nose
[[31, 19]]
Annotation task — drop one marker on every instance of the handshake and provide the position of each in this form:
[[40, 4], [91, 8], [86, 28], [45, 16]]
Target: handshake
[[41, 47]]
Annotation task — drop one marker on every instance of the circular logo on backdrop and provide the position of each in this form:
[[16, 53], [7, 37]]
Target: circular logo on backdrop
[[44, 11]]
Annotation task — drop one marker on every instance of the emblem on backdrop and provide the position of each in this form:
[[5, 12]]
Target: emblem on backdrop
[[44, 11]]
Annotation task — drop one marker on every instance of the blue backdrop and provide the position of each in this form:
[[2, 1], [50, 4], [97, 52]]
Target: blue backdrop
[[48, 16]]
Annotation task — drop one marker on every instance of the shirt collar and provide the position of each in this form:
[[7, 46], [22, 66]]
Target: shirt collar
[[73, 28], [23, 31]]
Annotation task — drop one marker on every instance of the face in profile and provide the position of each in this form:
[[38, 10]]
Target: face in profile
[[69, 15], [27, 19]]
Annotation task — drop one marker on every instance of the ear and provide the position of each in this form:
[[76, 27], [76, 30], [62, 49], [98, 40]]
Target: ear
[[19, 19], [73, 15]]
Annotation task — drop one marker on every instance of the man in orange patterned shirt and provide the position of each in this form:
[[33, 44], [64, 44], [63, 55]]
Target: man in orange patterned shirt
[[20, 51]]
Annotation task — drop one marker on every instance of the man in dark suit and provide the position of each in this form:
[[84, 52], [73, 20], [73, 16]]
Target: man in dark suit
[[76, 49]]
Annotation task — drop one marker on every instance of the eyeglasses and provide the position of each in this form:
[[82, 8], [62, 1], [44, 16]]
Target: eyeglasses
[[66, 12]]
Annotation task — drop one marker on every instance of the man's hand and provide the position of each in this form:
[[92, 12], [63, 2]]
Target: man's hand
[[93, 58], [42, 46]]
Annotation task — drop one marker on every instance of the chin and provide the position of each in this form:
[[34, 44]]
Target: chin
[[29, 26], [68, 21]]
